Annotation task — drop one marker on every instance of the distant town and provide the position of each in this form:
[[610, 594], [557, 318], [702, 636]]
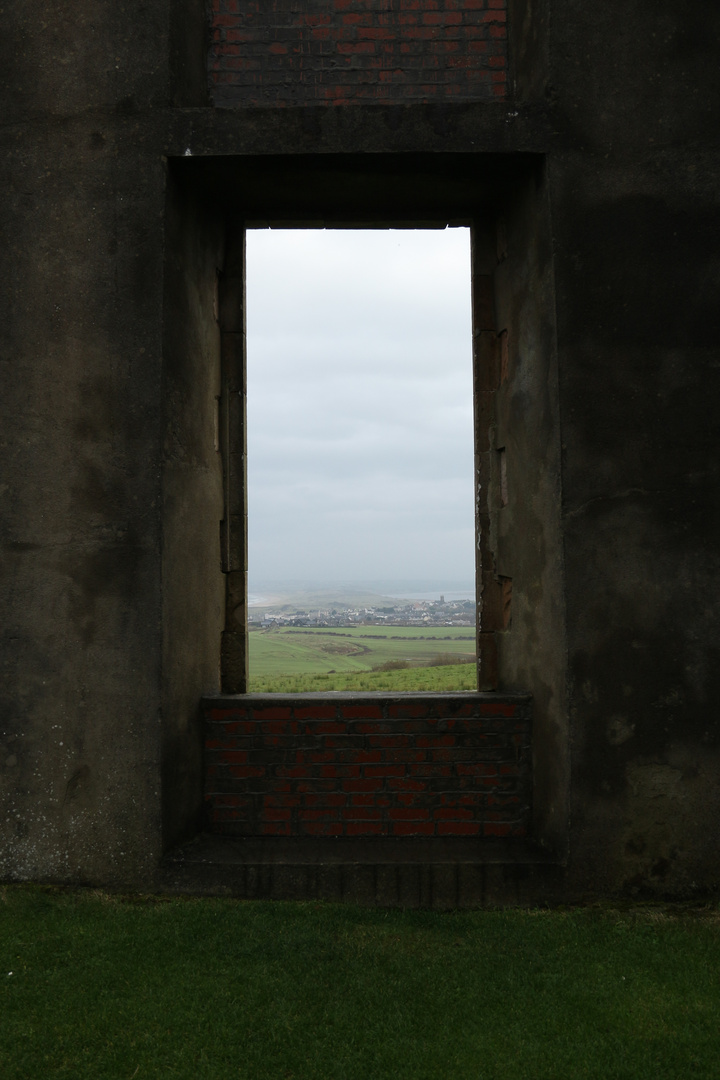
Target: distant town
[[413, 613]]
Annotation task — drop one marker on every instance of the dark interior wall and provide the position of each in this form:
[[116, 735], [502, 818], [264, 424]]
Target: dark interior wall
[[189, 43], [80, 631], [526, 538], [528, 38], [61, 60], [636, 230], [193, 586]]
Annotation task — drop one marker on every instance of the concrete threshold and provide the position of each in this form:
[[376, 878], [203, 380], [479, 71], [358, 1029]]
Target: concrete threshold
[[415, 873]]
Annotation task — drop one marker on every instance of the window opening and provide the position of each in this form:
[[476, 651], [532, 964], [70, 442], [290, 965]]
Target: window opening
[[360, 460]]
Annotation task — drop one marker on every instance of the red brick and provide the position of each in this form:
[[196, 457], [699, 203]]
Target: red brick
[[385, 741], [323, 828], [441, 18], [317, 712], [325, 798], [363, 800], [374, 33], [430, 769], [335, 727], [341, 770], [401, 710], [274, 727], [410, 780], [362, 813], [274, 712], [286, 800], [403, 784], [405, 755], [432, 741], [275, 828], [240, 727], [351, 48], [362, 785], [361, 712], [314, 757], [326, 813], [315, 785], [361, 756], [498, 709], [364, 828]]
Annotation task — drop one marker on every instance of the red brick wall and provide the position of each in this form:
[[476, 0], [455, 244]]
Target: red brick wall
[[435, 765], [303, 52]]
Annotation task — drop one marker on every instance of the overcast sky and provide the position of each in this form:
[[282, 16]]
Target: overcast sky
[[360, 450]]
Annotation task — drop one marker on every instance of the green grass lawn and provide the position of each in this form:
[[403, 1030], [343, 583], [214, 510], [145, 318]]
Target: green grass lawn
[[108, 988], [352, 653]]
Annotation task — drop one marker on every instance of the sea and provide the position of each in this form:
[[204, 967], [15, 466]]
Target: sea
[[256, 600], [466, 594]]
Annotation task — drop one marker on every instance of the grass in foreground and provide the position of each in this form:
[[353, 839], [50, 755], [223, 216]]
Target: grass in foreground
[[419, 679], [107, 989]]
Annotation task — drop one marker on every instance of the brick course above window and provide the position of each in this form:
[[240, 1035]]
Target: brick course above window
[[386, 52]]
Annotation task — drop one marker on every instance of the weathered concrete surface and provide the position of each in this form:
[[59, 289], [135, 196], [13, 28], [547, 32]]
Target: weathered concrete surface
[[635, 223], [82, 223], [526, 535], [193, 585], [100, 658]]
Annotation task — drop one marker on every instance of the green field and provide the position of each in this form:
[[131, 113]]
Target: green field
[[413, 680], [97, 987], [303, 659]]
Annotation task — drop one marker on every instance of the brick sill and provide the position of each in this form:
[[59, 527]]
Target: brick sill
[[356, 767], [515, 697], [405, 874]]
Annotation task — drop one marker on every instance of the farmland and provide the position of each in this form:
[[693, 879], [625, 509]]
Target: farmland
[[410, 680], [298, 660]]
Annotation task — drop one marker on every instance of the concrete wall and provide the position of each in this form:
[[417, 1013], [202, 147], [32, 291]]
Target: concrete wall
[[635, 224], [81, 626], [526, 535], [193, 585], [616, 574]]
